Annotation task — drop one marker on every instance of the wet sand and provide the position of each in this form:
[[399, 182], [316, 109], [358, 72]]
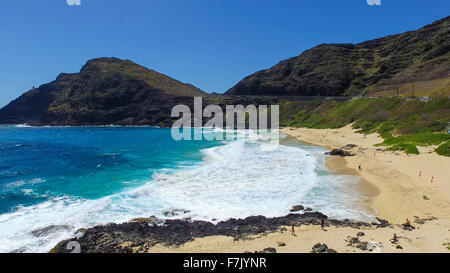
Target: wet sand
[[367, 190]]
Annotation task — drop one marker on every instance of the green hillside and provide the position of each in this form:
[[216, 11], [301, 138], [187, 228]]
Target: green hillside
[[382, 67], [404, 124], [105, 91]]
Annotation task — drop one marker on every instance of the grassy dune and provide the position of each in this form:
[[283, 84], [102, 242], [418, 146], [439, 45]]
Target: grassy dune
[[404, 124]]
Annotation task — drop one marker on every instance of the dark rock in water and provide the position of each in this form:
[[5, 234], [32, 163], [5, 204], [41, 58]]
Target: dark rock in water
[[169, 213], [175, 212], [360, 234], [308, 209], [50, 229], [269, 250], [339, 152], [297, 208]]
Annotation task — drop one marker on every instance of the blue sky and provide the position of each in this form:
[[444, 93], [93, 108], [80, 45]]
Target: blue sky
[[210, 43]]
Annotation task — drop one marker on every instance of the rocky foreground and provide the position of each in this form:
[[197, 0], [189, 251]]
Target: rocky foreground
[[140, 235]]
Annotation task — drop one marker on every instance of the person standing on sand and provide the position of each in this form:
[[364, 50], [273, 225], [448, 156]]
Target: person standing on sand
[[293, 230], [432, 179], [322, 224], [420, 174]]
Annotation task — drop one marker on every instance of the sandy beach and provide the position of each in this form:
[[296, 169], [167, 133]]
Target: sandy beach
[[395, 174], [397, 192]]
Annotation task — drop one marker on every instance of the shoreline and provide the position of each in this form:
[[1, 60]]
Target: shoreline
[[338, 166], [394, 194], [401, 192], [369, 191], [389, 178]]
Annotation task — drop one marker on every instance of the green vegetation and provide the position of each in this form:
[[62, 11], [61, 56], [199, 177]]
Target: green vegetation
[[403, 124], [407, 148], [444, 149]]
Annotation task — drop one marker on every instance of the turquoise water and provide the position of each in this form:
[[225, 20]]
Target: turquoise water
[[38, 164], [54, 181]]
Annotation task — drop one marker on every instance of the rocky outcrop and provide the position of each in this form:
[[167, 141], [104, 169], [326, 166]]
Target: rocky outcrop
[[269, 250], [339, 152], [356, 242], [140, 235], [322, 248]]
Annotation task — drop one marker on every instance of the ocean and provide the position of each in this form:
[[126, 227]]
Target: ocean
[[56, 180]]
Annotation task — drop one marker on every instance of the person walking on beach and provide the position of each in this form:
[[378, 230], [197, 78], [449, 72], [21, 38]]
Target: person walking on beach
[[420, 174], [293, 230], [432, 179], [322, 224]]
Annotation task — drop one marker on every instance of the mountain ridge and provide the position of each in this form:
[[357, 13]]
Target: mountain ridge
[[368, 67], [105, 91]]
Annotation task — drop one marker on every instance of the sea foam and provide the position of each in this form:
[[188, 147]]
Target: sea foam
[[235, 180]]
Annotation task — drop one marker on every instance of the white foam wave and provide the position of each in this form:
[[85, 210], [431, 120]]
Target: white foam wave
[[234, 180]]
